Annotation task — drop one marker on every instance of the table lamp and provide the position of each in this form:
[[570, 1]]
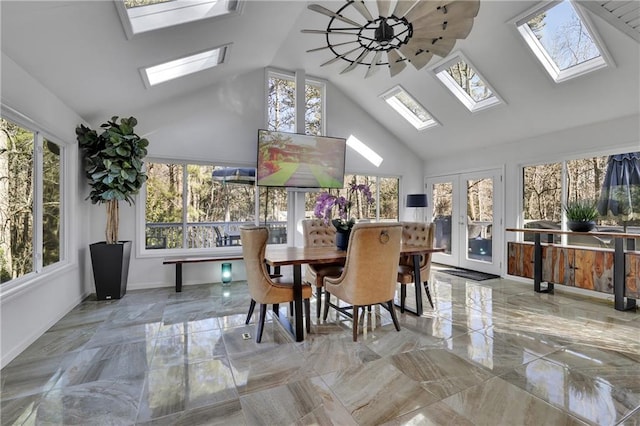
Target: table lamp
[[418, 201]]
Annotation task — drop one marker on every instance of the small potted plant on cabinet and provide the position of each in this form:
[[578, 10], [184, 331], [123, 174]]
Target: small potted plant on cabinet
[[581, 215], [115, 172]]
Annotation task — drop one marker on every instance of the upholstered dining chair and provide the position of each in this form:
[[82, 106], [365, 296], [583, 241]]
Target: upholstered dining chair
[[318, 233], [415, 234], [264, 289], [370, 271]]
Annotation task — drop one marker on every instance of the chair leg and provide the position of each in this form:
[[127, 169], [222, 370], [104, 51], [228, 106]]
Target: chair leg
[[403, 296], [276, 309], [318, 301], [426, 290], [252, 306], [327, 299], [307, 314], [263, 315], [393, 314], [356, 313]]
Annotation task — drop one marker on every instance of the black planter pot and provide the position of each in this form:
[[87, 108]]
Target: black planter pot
[[581, 226], [110, 268], [342, 239]]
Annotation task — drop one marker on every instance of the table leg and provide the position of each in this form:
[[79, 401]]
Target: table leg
[[416, 276], [537, 266], [618, 277], [297, 297], [178, 277]]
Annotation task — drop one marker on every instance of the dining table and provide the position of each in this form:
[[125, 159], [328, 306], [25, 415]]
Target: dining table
[[278, 256]]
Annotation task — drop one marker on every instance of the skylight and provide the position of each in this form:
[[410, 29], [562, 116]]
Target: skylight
[[364, 150], [139, 16], [562, 39], [184, 66], [409, 108], [465, 82]]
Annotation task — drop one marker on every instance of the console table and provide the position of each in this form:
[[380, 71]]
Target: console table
[[614, 270]]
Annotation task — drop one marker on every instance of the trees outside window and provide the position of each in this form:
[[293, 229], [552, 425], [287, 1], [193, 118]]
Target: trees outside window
[[30, 201]]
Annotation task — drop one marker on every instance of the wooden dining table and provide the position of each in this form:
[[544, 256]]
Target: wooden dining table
[[278, 256]]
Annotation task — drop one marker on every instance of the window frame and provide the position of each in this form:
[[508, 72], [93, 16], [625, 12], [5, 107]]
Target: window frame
[[405, 112], [440, 72], [39, 272], [141, 205], [543, 57]]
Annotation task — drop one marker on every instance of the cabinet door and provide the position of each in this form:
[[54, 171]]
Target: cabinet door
[[632, 275], [594, 270], [557, 265], [520, 261]]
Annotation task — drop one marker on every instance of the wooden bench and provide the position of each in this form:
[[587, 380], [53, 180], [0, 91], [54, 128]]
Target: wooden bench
[[179, 261]]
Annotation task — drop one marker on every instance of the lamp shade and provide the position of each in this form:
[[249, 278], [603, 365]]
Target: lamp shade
[[417, 200]]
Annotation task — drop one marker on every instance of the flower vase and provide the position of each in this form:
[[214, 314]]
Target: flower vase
[[342, 239]]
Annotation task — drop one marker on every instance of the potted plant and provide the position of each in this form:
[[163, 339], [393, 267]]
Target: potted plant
[[115, 172], [344, 222], [581, 215]]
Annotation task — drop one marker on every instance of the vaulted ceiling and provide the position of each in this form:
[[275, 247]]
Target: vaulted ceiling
[[79, 51]]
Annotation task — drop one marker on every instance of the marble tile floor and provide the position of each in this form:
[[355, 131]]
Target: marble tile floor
[[489, 353]]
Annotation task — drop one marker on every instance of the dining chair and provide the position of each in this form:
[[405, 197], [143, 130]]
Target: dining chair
[[318, 233], [264, 289], [370, 271], [415, 234]]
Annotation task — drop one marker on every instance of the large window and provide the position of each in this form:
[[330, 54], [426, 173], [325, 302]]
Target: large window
[[385, 192], [197, 206], [30, 201], [548, 186]]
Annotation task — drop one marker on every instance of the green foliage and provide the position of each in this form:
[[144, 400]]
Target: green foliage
[[113, 160], [581, 211]]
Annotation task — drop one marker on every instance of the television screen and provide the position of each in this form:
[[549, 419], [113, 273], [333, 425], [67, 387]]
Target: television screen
[[304, 161]]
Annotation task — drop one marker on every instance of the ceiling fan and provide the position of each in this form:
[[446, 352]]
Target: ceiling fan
[[402, 31]]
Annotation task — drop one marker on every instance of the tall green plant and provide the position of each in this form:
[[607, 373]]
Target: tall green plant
[[581, 211], [114, 166]]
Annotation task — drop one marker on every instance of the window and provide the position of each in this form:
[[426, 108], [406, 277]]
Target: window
[[184, 66], [385, 191], [139, 16], [409, 108], [562, 39], [31, 201], [191, 206], [468, 86], [548, 186], [281, 104]]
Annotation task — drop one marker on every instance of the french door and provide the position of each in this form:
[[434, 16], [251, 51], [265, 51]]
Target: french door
[[467, 210]]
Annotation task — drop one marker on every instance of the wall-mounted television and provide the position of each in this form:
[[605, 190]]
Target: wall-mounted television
[[303, 161]]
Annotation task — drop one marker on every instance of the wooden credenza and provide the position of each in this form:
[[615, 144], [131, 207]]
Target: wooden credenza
[[615, 271]]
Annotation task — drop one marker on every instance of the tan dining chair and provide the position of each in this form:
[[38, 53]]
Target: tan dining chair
[[370, 271], [318, 233], [415, 234], [264, 289]]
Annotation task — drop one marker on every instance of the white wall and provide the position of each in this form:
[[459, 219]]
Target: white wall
[[28, 309], [220, 124]]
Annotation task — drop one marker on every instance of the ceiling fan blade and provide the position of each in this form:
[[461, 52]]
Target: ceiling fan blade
[[441, 47], [332, 14], [327, 32], [417, 58], [396, 64], [362, 8], [451, 10], [384, 6], [317, 49], [455, 29], [337, 58], [423, 8], [357, 61], [373, 68], [402, 7]]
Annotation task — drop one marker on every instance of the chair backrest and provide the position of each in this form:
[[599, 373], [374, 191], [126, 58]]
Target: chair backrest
[[418, 234], [371, 268], [254, 243], [317, 233]]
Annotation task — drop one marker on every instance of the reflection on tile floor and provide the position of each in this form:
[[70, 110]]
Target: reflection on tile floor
[[488, 353]]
